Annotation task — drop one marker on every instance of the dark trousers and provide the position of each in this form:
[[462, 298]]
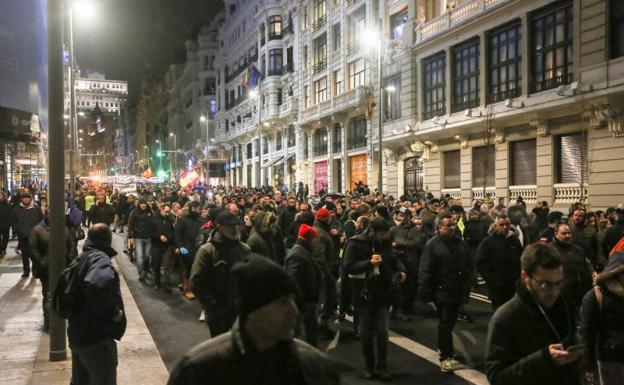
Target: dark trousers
[[374, 331], [307, 323], [447, 316], [219, 325], [4, 240], [499, 295], [25, 249], [45, 303], [329, 300], [161, 254], [411, 284], [95, 364]]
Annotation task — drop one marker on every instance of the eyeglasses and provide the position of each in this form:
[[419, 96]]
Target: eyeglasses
[[548, 285]]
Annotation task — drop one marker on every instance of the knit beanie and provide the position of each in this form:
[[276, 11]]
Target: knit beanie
[[142, 200], [258, 282], [306, 232], [323, 215]]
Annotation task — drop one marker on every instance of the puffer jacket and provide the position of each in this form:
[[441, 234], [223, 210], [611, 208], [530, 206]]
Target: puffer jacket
[[409, 240], [602, 326]]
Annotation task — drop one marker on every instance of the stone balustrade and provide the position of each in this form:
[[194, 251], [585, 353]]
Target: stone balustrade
[[477, 192], [454, 193], [569, 192], [527, 192]]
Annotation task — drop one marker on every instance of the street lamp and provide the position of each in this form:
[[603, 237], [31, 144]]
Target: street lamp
[[175, 151], [204, 120], [160, 155]]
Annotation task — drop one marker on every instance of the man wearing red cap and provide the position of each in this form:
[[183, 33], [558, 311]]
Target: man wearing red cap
[[301, 266], [324, 254]]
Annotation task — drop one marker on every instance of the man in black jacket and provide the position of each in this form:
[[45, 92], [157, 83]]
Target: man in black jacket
[[498, 261], [187, 233], [24, 217], [101, 212], [260, 348], [529, 337], [372, 266], [94, 326], [287, 215], [5, 223], [140, 232], [301, 266], [444, 279], [162, 247], [586, 237]]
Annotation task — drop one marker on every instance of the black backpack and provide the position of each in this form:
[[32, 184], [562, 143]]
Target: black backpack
[[67, 296]]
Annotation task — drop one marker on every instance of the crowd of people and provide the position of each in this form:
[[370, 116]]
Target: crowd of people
[[555, 279]]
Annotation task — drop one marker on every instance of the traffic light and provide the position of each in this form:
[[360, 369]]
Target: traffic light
[[159, 153]]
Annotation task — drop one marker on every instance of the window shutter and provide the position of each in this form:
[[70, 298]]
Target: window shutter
[[524, 158], [451, 169], [571, 158], [483, 159]]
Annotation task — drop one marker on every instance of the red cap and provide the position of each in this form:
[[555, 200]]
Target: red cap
[[307, 232], [323, 215]]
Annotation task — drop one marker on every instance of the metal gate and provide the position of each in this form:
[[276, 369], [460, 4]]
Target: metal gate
[[413, 171]]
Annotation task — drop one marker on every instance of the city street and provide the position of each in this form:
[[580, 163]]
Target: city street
[[173, 323]]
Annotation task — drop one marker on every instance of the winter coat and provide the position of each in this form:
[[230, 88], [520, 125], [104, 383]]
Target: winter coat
[[409, 240], [211, 278], [24, 219], [286, 217], [324, 250], [39, 240], [102, 213], [577, 271], [611, 238], [265, 238], [498, 260], [231, 359], [92, 322], [164, 226], [141, 224], [301, 266], [474, 233], [444, 271], [378, 287], [5, 215], [586, 237], [518, 339], [602, 327], [188, 232]]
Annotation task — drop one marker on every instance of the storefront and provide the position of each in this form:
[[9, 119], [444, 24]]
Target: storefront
[[320, 176], [357, 170]]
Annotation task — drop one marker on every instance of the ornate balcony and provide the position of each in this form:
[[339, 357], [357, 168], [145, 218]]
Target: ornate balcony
[[477, 192], [454, 193], [569, 192], [527, 192]]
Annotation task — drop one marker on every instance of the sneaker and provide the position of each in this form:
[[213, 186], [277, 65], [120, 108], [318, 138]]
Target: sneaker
[[202, 316], [446, 365]]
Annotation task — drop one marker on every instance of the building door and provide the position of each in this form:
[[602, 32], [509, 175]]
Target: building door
[[413, 171], [337, 171]]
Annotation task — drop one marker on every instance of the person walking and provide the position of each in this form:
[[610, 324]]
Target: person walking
[[24, 217], [371, 264], [325, 255], [262, 239], [101, 211], [211, 278], [187, 235], [162, 247], [5, 222], [94, 326], [300, 265], [444, 279], [141, 229], [260, 349]]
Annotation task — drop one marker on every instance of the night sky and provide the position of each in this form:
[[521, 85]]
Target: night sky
[[133, 39]]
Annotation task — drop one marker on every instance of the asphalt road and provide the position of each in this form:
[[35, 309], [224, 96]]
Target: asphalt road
[[412, 358]]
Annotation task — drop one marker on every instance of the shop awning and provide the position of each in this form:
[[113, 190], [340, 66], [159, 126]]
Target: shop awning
[[284, 160], [273, 162]]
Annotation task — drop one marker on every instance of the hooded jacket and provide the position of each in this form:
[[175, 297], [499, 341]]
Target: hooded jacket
[[602, 329], [265, 239], [99, 282]]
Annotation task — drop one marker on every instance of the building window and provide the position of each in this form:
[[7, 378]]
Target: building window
[[357, 26], [306, 149], [320, 15], [319, 146], [291, 136], [551, 48], [336, 37], [434, 81], [451, 169], [571, 158], [290, 62], [279, 97], [265, 145], [249, 150], [263, 65], [397, 22], [392, 98], [338, 82], [337, 138], [278, 141], [275, 27], [523, 163], [616, 29], [483, 169], [320, 54], [305, 57], [357, 73], [320, 90], [262, 34], [505, 63], [466, 76], [275, 62], [356, 135], [306, 97]]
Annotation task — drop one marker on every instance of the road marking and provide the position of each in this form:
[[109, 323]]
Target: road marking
[[460, 370], [480, 297]]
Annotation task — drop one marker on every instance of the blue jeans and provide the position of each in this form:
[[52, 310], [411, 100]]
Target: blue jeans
[[142, 249], [374, 324]]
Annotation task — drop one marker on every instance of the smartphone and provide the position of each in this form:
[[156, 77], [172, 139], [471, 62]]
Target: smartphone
[[575, 348]]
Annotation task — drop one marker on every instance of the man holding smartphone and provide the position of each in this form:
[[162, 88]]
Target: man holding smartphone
[[531, 338]]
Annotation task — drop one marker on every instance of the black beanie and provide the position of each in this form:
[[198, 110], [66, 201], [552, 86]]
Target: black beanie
[[258, 282]]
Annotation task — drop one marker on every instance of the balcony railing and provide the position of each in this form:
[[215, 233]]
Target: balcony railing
[[319, 23], [504, 95], [477, 193], [275, 36], [453, 17], [275, 71], [569, 193], [454, 193], [548, 84], [527, 192], [319, 66]]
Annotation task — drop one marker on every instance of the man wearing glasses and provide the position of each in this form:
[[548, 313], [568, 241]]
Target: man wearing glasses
[[531, 338], [498, 261]]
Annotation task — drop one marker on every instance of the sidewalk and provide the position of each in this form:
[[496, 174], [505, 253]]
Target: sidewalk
[[24, 347]]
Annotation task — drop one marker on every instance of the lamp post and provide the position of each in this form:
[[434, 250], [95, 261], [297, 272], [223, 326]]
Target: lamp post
[[204, 120], [160, 154], [175, 153]]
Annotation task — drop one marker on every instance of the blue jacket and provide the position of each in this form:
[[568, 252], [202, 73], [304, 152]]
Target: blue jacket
[[99, 282]]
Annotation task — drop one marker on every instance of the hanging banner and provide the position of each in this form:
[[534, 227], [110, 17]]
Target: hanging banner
[[357, 165], [321, 176]]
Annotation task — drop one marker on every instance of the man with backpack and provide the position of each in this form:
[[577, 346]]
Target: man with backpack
[[97, 319]]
